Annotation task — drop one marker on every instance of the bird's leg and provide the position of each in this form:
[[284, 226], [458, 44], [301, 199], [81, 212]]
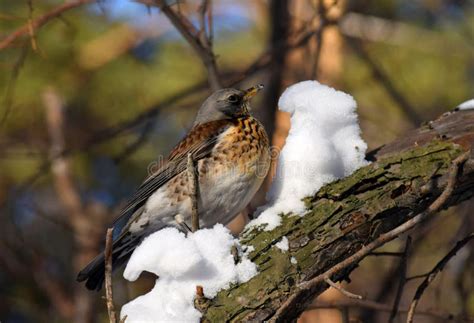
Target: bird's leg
[[180, 221]]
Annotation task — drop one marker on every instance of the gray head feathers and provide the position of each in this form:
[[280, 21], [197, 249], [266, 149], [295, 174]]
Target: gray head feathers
[[225, 104]]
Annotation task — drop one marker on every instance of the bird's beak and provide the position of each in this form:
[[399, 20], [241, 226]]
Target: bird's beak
[[250, 93]]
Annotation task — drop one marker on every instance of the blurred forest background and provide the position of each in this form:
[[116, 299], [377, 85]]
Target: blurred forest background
[[93, 96]]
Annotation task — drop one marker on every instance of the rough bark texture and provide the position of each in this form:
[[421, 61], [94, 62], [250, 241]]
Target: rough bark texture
[[403, 180]]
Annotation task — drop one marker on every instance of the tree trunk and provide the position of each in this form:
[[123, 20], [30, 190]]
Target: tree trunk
[[405, 177]]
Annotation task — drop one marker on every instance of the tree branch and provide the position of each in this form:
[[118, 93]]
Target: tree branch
[[108, 276], [29, 27], [201, 45], [409, 180], [432, 275], [382, 239], [402, 280]]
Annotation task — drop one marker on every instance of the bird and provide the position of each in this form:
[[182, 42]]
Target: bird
[[231, 153]]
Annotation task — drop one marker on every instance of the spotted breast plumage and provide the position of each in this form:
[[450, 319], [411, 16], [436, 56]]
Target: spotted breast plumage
[[230, 149]]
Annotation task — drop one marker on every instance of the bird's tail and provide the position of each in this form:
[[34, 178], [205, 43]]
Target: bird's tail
[[94, 272]]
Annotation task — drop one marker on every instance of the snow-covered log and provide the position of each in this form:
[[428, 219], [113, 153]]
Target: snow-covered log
[[404, 179]]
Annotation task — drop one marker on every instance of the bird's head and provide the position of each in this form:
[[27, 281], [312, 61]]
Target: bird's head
[[226, 104]]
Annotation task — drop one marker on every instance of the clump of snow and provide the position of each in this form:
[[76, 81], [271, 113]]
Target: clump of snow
[[469, 104], [183, 262], [248, 249], [323, 144], [293, 260], [282, 244]]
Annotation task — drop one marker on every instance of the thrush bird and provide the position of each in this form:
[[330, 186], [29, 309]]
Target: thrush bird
[[231, 152]]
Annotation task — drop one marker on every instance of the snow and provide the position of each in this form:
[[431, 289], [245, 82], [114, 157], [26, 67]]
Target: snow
[[183, 262], [323, 144], [248, 249], [282, 244], [469, 104]]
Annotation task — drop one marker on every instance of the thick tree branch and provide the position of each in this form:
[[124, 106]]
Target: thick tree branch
[[409, 180], [382, 239]]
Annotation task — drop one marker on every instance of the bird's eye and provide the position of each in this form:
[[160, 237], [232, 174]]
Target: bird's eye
[[233, 98]]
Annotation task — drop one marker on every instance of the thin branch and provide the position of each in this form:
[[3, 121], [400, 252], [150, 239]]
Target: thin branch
[[432, 275], [31, 30], [388, 283], [32, 25], [108, 276], [402, 280], [193, 182], [417, 277], [210, 23], [191, 34], [382, 239], [203, 9], [341, 289], [65, 188]]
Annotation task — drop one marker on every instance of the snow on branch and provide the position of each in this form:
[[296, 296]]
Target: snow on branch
[[311, 234]]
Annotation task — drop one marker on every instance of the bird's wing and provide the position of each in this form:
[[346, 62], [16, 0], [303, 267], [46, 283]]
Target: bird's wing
[[199, 143]]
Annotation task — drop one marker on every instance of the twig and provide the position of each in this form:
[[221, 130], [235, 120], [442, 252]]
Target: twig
[[108, 276], [417, 277], [432, 275], [382, 239], [210, 23], [193, 182], [203, 9], [386, 82], [199, 291], [200, 45], [31, 30], [388, 283], [31, 25], [402, 280], [341, 289]]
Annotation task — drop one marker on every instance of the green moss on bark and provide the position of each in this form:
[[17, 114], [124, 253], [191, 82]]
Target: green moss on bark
[[340, 218]]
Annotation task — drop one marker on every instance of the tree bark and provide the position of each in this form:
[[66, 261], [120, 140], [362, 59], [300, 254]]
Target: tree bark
[[405, 177]]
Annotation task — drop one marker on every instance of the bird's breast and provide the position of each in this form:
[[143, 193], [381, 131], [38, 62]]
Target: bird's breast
[[228, 178]]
